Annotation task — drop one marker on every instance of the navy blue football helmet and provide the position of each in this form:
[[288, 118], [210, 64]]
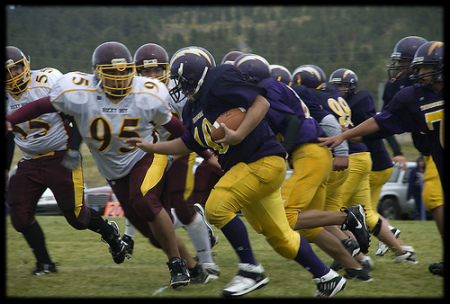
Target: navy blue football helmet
[[281, 73], [254, 67], [309, 75], [188, 68], [430, 53], [403, 53], [345, 77]]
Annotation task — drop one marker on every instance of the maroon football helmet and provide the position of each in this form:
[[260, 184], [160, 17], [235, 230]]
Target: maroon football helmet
[[230, 57], [114, 68], [152, 55], [18, 83]]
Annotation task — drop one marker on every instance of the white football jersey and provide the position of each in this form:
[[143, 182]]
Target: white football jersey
[[176, 108], [104, 124], [42, 134]]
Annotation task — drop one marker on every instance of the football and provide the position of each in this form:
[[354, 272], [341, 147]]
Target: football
[[231, 118]]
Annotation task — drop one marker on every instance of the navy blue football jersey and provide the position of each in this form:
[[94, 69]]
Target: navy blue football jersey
[[225, 88], [414, 109], [332, 102], [395, 84], [283, 101], [363, 108]]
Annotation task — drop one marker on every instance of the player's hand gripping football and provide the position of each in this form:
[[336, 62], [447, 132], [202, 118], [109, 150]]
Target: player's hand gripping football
[[231, 137]]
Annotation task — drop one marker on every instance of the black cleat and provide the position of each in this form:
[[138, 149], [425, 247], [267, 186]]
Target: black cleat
[[329, 285], [437, 268], [116, 245], [129, 245], [362, 274], [43, 269], [179, 273], [356, 223]]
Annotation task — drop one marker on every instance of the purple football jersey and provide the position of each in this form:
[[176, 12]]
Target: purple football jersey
[[283, 100], [417, 110], [332, 101], [225, 88], [363, 108]]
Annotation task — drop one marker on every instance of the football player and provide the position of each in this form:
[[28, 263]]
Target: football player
[[417, 108], [399, 71], [432, 194], [109, 105], [362, 107], [254, 165], [153, 61], [355, 187], [44, 142], [307, 80], [305, 189]]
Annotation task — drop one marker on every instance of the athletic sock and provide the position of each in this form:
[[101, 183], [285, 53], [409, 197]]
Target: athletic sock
[[308, 259], [130, 230], [198, 234], [99, 225], [237, 235], [35, 238]]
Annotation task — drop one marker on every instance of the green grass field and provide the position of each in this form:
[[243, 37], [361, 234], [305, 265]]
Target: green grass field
[[86, 269]]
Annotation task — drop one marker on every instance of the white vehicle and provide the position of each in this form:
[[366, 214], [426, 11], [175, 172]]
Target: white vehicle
[[392, 203]]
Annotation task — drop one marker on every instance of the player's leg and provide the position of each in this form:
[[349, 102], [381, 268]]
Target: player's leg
[[224, 201], [22, 206], [179, 185], [268, 218], [146, 182], [255, 189], [68, 188], [377, 179], [206, 177], [355, 190]]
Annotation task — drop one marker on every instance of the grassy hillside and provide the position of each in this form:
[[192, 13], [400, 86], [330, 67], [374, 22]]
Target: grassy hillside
[[357, 37]]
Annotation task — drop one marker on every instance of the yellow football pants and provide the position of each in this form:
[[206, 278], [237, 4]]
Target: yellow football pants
[[432, 194], [356, 188], [255, 190], [377, 179], [305, 189]]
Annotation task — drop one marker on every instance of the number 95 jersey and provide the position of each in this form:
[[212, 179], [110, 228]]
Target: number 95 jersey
[[104, 123]]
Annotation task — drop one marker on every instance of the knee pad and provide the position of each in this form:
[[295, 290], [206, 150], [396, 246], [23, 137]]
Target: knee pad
[[376, 229]]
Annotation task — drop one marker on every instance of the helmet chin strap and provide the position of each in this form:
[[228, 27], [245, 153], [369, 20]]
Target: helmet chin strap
[[200, 82]]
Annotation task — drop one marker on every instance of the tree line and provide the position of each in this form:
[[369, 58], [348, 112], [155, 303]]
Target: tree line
[[357, 37]]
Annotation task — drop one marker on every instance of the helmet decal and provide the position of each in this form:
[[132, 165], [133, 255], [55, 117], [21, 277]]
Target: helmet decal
[[433, 46]]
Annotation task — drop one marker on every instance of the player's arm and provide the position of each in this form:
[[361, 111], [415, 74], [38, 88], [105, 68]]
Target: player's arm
[[177, 129], [293, 126], [255, 113], [366, 127], [29, 111], [173, 147]]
